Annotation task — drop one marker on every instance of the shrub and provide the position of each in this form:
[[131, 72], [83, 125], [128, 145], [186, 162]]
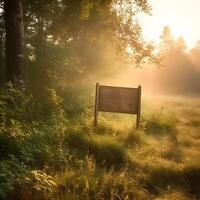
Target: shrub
[[11, 172]]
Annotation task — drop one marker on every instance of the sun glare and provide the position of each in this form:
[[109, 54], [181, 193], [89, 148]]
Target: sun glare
[[179, 30], [181, 16]]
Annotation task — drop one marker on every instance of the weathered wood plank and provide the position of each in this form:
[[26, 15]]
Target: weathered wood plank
[[118, 99]]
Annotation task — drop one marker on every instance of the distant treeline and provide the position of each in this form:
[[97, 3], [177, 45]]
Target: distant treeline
[[180, 73]]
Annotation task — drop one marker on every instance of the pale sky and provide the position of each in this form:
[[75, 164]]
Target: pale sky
[[183, 16]]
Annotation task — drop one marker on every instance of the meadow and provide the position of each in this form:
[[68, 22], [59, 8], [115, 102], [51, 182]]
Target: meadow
[[51, 155], [52, 52]]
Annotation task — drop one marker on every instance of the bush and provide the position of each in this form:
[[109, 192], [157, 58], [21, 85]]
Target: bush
[[31, 139], [16, 105], [11, 173]]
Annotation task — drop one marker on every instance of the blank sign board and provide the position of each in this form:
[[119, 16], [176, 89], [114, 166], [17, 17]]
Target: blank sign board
[[117, 99]]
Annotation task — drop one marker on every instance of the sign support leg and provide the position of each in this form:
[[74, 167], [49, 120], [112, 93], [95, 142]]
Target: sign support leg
[[96, 105], [139, 107]]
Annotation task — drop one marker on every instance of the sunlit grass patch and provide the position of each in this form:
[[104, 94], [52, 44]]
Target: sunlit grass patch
[[189, 112], [107, 127], [159, 124], [100, 185], [116, 121], [188, 141], [132, 138], [173, 195], [191, 155]]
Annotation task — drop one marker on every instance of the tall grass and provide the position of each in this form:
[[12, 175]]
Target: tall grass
[[62, 157]]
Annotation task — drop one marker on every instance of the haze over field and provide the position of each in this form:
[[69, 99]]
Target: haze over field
[[172, 29], [181, 16], [178, 48], [52, 53]]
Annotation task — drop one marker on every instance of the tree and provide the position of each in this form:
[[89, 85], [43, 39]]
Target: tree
[[72, 41], [167, 40], [14, 41], [180, 44]]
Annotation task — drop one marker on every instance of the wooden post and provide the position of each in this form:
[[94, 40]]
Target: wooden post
[[96, 105], [139, 107]]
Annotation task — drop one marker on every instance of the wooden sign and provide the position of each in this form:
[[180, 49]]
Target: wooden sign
[[119, 100]]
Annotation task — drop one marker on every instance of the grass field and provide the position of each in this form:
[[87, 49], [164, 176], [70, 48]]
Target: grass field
[[161, 161], [75, 160]]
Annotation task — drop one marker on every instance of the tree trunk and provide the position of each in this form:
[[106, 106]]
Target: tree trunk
[[1, 58], [14, 42]]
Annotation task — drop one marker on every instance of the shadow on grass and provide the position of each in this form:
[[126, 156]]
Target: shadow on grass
[[191, 176], [105, 150], [163, 178], [194, 122], [174, 154]]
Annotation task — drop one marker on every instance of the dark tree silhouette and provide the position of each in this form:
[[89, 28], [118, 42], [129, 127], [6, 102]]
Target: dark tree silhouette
[[14, 41], [2, 45]]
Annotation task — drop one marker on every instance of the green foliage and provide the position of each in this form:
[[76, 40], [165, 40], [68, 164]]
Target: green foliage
[[77, 102], [70, 43], [30, 138], [15, 105], [11, 172]]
